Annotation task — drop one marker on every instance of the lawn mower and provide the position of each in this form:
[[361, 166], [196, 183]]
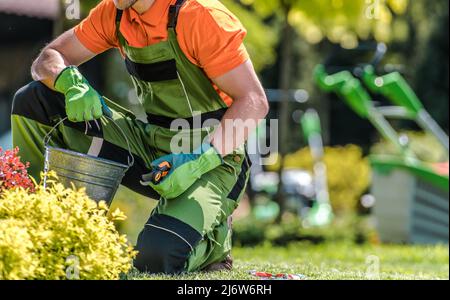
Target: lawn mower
[[411, 195], [306, 193], [321, 212]]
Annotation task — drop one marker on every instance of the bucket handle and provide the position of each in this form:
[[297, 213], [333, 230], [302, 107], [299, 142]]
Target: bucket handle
[[48, 137]]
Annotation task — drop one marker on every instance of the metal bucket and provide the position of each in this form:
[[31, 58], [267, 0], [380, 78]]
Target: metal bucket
[[100, 177]]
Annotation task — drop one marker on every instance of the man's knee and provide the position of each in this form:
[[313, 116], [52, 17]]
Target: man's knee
[[37, 102], [165, 245], [25, 97]]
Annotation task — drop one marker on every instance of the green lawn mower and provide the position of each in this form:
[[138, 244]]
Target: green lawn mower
[[321, 212], [306, 192], [412, 196]]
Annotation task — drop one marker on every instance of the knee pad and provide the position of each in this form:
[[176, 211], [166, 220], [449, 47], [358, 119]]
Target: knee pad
[[165, 245], [37, 102]]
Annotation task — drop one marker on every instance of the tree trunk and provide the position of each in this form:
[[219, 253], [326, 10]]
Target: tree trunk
[[284, 85]]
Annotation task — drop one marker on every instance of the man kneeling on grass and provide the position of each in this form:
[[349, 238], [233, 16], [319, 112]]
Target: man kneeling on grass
[[188, 64]]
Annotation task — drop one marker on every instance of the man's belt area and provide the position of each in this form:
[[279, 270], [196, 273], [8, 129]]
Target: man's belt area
[[199, 121]]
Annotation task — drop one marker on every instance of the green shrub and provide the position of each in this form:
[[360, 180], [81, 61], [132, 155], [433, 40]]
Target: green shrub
[[348, 228], [18, 261], [424, 145], [249, 232], [59, 233]]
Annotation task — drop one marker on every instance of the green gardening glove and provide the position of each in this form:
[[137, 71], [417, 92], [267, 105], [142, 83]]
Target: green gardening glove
[[83, 103], [182, 170]]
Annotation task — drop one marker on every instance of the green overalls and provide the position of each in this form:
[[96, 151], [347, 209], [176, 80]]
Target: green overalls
[[191, 231]]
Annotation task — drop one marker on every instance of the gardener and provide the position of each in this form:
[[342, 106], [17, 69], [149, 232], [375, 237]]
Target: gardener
[[187, 61]]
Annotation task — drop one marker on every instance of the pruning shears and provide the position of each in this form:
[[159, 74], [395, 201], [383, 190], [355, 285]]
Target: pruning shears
[[158, 173]]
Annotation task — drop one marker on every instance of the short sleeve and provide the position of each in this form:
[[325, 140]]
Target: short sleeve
[[97, 32], [213, 37]]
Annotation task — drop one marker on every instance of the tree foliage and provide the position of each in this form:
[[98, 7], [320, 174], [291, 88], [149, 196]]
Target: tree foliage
[[261, 38], [340, 21], [431, 76]]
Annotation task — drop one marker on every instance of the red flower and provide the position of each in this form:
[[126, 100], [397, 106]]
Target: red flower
[[13, 173]]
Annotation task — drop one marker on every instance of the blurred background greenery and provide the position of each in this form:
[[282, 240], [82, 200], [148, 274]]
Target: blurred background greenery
[[286, 40]]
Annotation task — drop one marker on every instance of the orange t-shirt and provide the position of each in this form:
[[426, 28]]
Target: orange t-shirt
[[210, 36]]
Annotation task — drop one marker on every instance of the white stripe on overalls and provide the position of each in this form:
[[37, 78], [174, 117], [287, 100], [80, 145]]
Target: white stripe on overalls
[[96, 146]]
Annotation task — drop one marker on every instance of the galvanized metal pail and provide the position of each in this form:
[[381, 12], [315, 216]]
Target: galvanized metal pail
[[100, 177]]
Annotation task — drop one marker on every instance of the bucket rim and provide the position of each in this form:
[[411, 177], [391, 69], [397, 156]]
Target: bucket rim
[[82, 155]]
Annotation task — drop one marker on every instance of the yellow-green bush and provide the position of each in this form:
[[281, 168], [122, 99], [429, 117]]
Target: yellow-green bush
[[348, 173], [59, 233], [424, 145], [17, 259]]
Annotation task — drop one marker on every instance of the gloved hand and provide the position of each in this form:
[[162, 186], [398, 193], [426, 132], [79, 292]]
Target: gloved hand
[[83, 103], [185, 169]]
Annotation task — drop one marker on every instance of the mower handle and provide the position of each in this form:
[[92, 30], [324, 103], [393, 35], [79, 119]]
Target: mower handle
[[347, 87], [380, 52]]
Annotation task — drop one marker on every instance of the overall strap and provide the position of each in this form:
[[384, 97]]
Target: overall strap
[[119, 14], [119, 36], [174, 11]]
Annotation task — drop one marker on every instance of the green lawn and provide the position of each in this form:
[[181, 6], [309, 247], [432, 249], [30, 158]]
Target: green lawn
[[328, 260], [334, 261]]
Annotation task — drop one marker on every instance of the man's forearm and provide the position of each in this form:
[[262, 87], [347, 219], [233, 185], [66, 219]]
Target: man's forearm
[[239, 122], [64, 51], [47, 67]]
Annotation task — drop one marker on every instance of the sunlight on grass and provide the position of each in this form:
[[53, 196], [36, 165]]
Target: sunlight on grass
[[332, 262]]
